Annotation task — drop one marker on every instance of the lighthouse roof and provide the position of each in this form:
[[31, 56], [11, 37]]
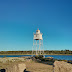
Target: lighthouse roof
[[38, 29]]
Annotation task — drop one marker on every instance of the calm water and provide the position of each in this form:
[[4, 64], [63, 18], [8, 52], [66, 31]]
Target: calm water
[[62, 57]]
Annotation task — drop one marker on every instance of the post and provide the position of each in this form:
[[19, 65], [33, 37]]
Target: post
[[42, 46], [39, 47], [36, 47]]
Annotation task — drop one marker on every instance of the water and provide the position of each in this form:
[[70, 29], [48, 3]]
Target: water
[[14, 55], [62, 57]]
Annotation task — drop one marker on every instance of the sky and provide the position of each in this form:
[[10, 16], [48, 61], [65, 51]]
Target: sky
[[20, 18]]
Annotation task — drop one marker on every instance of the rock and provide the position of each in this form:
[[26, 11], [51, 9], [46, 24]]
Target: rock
[[49, 57], [20, 67], [61, 66]]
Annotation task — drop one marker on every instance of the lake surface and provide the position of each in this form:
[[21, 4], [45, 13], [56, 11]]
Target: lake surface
[[62, 57]]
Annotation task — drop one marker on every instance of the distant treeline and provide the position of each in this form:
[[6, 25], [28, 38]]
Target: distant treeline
[[30, 52], [58, 52]]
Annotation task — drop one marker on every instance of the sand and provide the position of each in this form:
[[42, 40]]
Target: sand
[[38, 67]]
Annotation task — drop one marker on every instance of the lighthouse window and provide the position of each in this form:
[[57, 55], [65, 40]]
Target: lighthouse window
[[36, 31]]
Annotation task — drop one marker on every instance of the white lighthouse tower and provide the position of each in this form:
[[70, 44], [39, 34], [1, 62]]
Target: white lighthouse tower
[[38, 43]]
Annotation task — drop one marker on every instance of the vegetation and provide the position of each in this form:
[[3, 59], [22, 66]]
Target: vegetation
[[30, 52]]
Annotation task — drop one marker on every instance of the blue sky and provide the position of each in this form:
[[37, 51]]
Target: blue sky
[[20, 18]]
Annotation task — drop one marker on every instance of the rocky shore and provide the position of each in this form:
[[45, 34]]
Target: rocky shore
[[61, 66], [22, 64], [27, 64]]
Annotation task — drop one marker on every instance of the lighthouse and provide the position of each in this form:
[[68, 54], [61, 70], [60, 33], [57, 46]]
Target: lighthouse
[[37, 43]]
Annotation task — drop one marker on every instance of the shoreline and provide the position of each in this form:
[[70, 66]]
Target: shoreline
[[31, 65], [31, 54]]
